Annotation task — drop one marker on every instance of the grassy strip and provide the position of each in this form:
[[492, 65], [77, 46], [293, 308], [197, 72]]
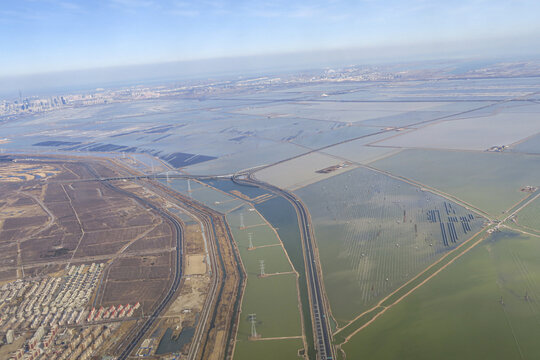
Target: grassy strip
[[285, 349], [281, 214], [518, 205], [521, 228], [340, 337]]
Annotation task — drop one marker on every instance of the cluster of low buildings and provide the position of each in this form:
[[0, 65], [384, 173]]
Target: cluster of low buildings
[[29, 304], [82, 345], [62, 344], [112, 312], [498, 148], [53, 316]]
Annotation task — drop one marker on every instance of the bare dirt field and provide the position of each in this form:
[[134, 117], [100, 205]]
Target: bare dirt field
[[67, 215], [195, 265], [138, 278], [50, 218]]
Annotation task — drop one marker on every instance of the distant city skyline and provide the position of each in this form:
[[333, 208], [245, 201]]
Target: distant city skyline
[[62, 35]]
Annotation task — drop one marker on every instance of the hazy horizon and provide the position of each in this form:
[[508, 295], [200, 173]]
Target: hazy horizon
[[58, 45], [226, 67], [64, 35]]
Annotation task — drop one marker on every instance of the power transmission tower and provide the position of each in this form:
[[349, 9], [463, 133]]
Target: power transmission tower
[[168, 180], [188, 186], [253, 320], [250, 235], [261, 266], [242, 226]]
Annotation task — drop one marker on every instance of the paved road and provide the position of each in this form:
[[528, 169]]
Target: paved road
[[141, 332], [209, 231], [323, 335], [156, 176], [323, 345]]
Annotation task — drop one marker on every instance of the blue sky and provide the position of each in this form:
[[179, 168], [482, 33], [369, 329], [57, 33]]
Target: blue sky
[[53, 35]]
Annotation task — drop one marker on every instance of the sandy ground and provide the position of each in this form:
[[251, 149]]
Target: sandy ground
[[220, 338], [195, 265], [192, 295]]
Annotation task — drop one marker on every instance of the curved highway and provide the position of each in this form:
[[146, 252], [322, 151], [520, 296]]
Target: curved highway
[[325, 350], [207, 318], [209, 312], [141, 332]]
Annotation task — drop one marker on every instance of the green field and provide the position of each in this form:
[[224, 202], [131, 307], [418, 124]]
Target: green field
[[274, 298], [274, 258], [261, 234], [459, 314], [286, 349], [374, 235], [282, 215], [275, 301], [249, 215], [489, 181], [529, 216]]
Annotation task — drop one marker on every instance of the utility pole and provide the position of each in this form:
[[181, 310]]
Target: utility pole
[[261, 266], [250, 235], [253, 320]]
